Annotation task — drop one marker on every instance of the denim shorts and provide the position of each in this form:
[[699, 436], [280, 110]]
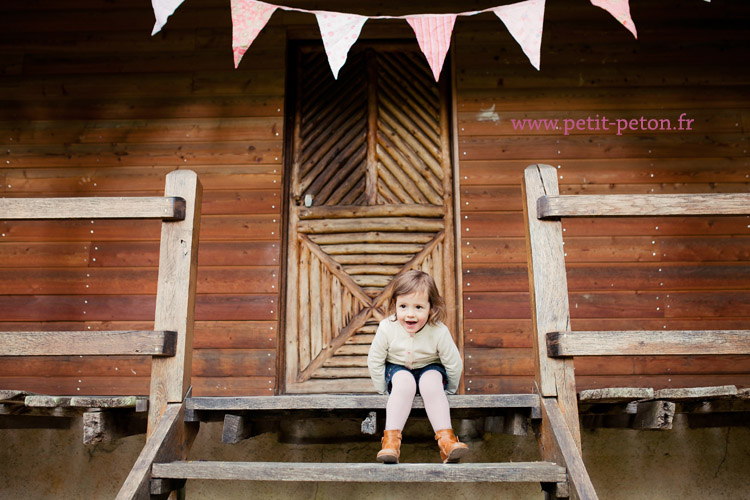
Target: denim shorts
[[391, 369]]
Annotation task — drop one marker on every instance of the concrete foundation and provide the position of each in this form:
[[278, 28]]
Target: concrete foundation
[[624, 464]]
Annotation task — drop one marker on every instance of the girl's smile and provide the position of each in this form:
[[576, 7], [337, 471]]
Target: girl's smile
[[413, 310]]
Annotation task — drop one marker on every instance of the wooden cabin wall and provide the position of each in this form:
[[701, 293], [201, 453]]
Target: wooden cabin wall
[[91, 104], [690, 57]]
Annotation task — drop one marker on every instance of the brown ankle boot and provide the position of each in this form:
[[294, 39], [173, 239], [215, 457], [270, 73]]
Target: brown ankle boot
[[391, 447], [451, 449]]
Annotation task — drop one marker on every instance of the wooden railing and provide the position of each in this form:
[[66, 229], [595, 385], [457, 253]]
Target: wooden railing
[[170, 343], [555, 344]]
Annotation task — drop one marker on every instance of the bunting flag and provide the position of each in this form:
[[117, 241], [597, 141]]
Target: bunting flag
[[162, 10], [434, 38], [620, 10], [339, 32], [525, 21], [248, 18]]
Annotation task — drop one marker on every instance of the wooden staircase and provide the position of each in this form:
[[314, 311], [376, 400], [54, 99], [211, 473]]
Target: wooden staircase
[[553, 409], [240, 415], [174, 416]]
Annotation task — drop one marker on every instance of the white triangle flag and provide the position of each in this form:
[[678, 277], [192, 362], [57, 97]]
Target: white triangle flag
[[620, 10], [248, 18], [434, 37], [339, 32], [525, 21], [162, 10]]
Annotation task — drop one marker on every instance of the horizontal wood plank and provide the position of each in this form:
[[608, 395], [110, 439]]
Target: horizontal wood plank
[[119, 178], [112, 281], [152, 207], [339, 212], [142, 131], [660, 342], [344, 402], [587, 170], [123, 343], [209, 307], [144, 154], [142, 106], [357, 472], [210, 253], [613, 248], [635, 205], [625, 276], [519, 362], [562, 148]]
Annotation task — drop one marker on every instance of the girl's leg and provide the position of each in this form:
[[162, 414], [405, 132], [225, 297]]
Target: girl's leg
[[435, 401], [403, 389], [439, 413]]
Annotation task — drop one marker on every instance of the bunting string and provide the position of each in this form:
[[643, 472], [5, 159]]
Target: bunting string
[[339, 31]]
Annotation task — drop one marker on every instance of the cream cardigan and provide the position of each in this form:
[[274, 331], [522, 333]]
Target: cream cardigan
[[432, 344]]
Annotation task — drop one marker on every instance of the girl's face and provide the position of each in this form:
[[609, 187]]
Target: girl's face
[[413, 310]]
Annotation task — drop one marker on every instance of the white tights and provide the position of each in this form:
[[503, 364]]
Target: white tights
[[403, 389]]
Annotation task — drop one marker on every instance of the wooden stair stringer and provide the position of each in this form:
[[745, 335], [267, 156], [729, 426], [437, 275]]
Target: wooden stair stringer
[[568, 450]]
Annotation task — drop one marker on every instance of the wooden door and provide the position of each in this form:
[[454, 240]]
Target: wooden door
[[370, 196]]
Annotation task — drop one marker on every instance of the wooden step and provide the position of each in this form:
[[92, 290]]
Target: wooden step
[[542, 472], [332, 402]]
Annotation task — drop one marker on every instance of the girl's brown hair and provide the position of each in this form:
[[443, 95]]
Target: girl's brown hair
[[417, 281]]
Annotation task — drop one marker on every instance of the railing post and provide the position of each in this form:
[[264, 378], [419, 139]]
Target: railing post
[[175, 296], [548, 289]]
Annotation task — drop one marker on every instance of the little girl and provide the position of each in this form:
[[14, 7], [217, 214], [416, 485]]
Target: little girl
[[413, 353]]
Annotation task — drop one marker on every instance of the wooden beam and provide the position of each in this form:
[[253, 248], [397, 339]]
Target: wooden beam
[[349, 402], [43, 401], [654, 415], [148, 207], [641, 342], [359, 472], [108, 402], [236, 428], [642, 205], [175, 295], [515, 424], [88, 342], [341, 212], [569, 450], [163, 487], [550, 310], [106, 426], [13, 395], [170, 440], [349, 225], [370, 424], [696, 393], [615, 394], [548, 285]]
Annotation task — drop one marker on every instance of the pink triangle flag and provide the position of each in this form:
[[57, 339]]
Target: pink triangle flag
[[620, 9], [434, 36], [339, 32], [162, 10], [248, 18], [525, 21]]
